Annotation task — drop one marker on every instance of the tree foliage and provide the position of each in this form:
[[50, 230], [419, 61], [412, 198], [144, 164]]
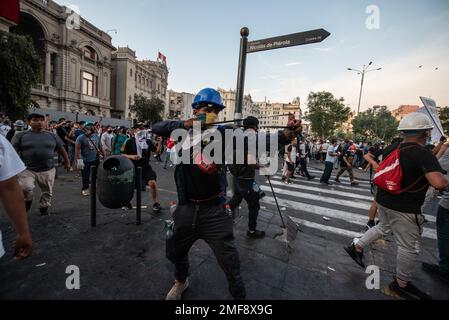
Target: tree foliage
[[147, 110], [376, 123], [325, 113], [444, 117], [19, 71]]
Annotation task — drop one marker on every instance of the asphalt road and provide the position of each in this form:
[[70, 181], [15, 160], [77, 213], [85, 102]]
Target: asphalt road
[[119, 260]]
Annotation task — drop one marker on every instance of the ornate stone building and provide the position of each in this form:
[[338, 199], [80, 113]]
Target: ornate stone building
[[75, 55], [131, 76], [179, 105], [403, 110], [228, 97], [276, 114]]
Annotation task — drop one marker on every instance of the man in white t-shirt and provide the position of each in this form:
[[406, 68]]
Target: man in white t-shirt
[[4, 126], [331, 159], [12, 197]]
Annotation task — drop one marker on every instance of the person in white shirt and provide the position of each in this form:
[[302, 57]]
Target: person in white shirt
[[106, 141], [4, 126], [12, 197], [324, 148], [290, 161], [331, 159]]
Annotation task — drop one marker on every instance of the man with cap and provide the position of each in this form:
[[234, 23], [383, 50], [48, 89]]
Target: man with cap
[[138, 150], [400, 212], [200, 183], [36, 148], [88, 151], [245, 186]]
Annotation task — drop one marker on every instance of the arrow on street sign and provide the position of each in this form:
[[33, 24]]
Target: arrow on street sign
[[290, 40]]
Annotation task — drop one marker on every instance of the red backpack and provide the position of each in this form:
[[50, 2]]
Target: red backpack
[[388, 176]]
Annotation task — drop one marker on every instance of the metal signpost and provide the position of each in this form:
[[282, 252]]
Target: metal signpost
[[294, 39]]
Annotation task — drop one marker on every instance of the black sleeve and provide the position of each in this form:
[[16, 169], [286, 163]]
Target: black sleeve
[[164, 128], [377, 153], [151, 146], [289, 148], [10, 134], [430, 163], [127, 148]]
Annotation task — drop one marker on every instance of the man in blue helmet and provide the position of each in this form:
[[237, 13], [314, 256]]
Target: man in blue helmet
[[201, 213]]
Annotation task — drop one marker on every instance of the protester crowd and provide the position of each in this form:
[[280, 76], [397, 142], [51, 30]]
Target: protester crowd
[[202, 211]]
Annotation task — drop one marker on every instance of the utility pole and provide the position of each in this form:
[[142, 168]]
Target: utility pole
[[363, 72]]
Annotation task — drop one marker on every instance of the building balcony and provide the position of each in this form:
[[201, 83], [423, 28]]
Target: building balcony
[[44, 90], [90, 99]]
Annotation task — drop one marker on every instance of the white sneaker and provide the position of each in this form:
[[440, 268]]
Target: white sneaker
[[177, 290], [85, 192]]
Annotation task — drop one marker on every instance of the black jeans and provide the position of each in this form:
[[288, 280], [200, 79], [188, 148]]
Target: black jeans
[[211, 223], [243, 189], [303, 163], [329, 166]]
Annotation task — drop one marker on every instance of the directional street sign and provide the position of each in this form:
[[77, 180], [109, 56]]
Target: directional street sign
[[290, 40]]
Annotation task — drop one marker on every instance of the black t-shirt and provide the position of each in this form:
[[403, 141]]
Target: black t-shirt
[[131, 149], [349, 157], [246, 171], [415, 161], [200, 185], [62, 133]]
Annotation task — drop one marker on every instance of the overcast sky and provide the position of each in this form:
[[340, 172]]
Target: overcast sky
[[200, 39]]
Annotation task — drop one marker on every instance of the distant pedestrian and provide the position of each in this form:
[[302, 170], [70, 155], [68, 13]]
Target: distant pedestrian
[[346, 161], [88, 151], [331, 159]]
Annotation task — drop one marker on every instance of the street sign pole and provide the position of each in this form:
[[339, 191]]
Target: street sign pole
[[244, 32], [246, 47], [294, 39]]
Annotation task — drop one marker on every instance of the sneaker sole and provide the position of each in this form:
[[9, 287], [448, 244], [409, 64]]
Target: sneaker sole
[[350, 253]]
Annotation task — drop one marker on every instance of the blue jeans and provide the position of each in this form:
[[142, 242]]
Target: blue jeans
[[443, 238], [167, 159]]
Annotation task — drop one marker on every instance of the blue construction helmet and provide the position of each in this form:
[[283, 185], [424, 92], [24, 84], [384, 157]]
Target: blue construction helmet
[[208, 96]]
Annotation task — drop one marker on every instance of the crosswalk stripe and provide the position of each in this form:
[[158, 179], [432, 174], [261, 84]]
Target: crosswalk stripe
[[343, 178], [352, 218], [334, 230], [356, 204], [324, 190], [332, 190], [335, 185]]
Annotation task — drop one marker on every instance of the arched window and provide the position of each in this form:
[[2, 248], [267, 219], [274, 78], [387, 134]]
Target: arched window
[[130, 72], [130, 100], [89, 52]]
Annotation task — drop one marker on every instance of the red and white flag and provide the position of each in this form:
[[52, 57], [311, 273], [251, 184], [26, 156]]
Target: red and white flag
[[10, 10], [162, 58]]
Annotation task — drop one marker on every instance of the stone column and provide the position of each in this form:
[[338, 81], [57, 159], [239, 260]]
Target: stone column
[[47, 68]]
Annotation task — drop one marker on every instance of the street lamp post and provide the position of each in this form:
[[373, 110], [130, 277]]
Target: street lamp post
[[363, 72]]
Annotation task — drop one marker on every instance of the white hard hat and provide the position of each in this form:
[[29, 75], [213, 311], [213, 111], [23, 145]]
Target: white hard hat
[[415, 121]]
